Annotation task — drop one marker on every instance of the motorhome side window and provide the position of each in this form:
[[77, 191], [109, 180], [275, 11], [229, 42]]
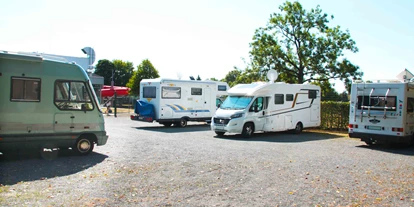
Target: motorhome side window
[[289, 97], [312, 94], [410, 105], [257, 105], [72, 95], [25, 89], [222, 88], [279, 99], [149, 92], [171, 92], [196, 91], [377, 102]]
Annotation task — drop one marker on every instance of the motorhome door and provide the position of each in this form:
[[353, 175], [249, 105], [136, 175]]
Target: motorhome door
[[257, 111]]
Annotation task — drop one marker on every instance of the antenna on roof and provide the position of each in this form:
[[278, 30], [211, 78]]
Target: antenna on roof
[[192, 78]]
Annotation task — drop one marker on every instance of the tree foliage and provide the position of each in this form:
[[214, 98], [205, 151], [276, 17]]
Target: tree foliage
[[121, 70], [231, 77], [301, 46], [145, 70], [104, 68]]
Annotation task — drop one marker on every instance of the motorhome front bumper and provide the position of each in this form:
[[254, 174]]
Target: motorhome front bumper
[[227, 125]]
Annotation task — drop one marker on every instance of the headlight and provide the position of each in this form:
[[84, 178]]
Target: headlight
[[236, 115]]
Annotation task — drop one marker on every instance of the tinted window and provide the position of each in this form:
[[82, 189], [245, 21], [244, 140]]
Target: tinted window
[[25, 89], [222, 88], [149, 92], [289, 97], [196, 91], [312, 94], [279, 99]]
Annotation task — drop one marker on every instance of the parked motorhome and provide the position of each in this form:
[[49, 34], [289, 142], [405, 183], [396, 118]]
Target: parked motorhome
[[382, 112], [47, 103], [268, 107], [170, 101]]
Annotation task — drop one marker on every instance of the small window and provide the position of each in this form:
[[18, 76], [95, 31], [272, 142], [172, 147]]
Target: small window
[[196, 91], [279, 99], [289, 97], [149, 92], [25, 89], [312, 94], [171, 92], [410, 105], [222, 88]]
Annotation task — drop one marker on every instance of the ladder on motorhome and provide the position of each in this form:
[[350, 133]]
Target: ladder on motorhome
[[369, 107]]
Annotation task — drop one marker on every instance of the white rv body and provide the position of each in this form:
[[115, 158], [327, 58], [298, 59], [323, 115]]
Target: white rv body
[[382, 112], [268, 107], [47, 103], [179, 101]]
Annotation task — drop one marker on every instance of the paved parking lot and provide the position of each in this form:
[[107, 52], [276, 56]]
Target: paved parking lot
[[146, 164]]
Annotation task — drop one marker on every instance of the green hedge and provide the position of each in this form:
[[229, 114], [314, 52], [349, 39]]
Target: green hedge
[[334, 115]]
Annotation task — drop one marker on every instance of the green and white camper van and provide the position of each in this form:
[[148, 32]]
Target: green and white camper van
[[47, 103]]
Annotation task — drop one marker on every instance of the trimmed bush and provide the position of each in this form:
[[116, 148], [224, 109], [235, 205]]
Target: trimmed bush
[[334, 115]]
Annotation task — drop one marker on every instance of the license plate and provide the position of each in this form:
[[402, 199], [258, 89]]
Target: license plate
[[221, 127], [374, 127]]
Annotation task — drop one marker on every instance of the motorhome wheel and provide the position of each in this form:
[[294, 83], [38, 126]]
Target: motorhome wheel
[[83, 146], [248, 129], [298, 128], [183, 123]]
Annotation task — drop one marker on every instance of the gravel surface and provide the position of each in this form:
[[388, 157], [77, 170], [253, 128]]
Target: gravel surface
[[146, 164]]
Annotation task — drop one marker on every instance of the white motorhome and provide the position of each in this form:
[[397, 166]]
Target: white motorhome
[[268, 107], [47, 103], [382, 112], [171, 101]]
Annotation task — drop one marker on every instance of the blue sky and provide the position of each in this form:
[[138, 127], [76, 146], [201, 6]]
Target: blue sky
[[206, 38]]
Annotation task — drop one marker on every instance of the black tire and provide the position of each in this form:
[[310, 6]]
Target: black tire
[[248, 130], [298, 129], [182, 123], [219, 133], [83, 146], [167, 124]]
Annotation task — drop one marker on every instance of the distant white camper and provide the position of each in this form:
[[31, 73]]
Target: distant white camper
[[170, 101], [382, 112], [47, 103], [268, 107]]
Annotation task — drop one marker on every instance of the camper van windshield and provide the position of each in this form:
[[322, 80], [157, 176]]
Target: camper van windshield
[[236, 102]]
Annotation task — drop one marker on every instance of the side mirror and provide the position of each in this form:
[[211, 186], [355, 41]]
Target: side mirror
[[84, 107], [218, 105]]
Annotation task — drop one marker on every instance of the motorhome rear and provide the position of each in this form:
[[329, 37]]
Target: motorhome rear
[[170, 101], [382, 112], [47, 103], [268, 107]]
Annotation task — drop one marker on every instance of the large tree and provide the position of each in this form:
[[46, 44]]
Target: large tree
[[301, 46], [145, 70], [121, 70], [105, 68], [231, 77]]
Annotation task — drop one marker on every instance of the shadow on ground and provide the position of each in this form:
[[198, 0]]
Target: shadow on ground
[[175, 129], [282, 137], [31, 165], [391, 148]]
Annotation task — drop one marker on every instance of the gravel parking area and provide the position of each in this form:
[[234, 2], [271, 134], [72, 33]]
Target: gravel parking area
[[146, 164]]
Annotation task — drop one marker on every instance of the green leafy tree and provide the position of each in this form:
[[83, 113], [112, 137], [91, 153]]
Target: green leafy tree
[[145, 70], [104, 68], [214, 79], [231, 77], [123, 72], [302, 48]]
